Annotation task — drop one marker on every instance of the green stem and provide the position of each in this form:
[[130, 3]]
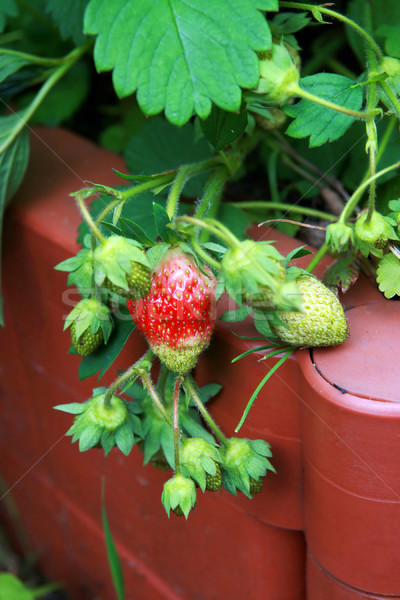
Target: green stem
[[298, 91], [212, 193], [391, 95], [190, 388], [143, 363], [88, 218], [326, 11], [144, 376], [355, 197], [318, 256], [205, 255], [209, 227], [371, 126], [28, 112], [185, 173], [176, 425], [290, 208]]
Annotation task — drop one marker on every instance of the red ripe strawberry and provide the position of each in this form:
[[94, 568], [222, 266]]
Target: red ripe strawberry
[[178, 315]]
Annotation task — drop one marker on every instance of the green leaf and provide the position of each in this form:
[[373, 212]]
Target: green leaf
[[320, 123], [102, 359], [68, 17], [235, 316], [208, 391], [162, 219], [112, 554], [13, 163], [388, 275], [11, 63], [222, 128], [64, 98], [133, 230], [159, 147], [180, 57], [8, 8]]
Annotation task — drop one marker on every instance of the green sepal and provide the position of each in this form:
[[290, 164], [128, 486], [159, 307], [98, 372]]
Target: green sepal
[[113, 260], [90, 314], [198, 457], [102, 424], [241, 459], [339, 237], [179, 492], [80, 268], [74, 408]]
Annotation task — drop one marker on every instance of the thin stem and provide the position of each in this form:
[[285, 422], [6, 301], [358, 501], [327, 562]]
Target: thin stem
[[209, 227], [289, 208], [205, 255], [298, 91], [176, 425], [371, 126], [353, 200], [212, 193], [326, 11], [144, 376], [391, 95], [140, 365], [190, 388], [318, 256], [176, 189], [27, 113], [88, 217]]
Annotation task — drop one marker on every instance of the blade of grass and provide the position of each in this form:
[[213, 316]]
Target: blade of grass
[[269, 355], [260, 385], [112, 554]]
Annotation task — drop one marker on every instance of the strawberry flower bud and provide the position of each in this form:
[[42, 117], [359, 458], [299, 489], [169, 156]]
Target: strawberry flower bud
[[199, 458], [279, 76], [104, 424], [339, 237], [244, 460], [179, 495]]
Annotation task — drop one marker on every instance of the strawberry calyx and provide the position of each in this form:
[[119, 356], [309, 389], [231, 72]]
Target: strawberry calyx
[[339, 237], [121, 264], [199, 458], [91, 324], [179, 495], [253, 272], [242, 460], [103, 424], [80, 268], [279, 76]]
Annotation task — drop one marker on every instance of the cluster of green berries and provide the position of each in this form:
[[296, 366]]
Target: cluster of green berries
[[117, 266]]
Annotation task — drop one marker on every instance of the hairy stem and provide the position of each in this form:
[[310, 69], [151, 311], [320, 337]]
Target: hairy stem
[[190, 389], [176, 425], [288, 208], [88, 217], [144, 376], [143, 363]]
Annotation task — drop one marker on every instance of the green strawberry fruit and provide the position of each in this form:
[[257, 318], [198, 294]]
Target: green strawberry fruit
[[373, 232], [138, 281], [322, 321], [199, 461], [90, 324], [213, 482], [256, 485], [87, 342]]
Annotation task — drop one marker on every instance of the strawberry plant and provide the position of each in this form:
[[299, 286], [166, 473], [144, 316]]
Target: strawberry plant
[[227, 113]]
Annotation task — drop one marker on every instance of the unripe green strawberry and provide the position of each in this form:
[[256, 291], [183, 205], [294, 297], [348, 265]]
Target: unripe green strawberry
[[256, 485], [279, 76], [90, 324], [322, 322], [178, 315], [138, 281], [179, 495], [121, 265], [88, 342], [199, 461], [264, 298], [243, 460], [213, 482], [372, 232]]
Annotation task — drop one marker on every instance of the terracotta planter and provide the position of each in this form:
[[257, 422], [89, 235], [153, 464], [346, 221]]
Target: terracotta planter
[[230, 547]]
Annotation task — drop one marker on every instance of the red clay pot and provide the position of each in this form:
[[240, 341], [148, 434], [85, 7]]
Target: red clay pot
[[223, 550], [332, 414]]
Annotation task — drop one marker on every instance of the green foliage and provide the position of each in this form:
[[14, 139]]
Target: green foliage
[[179, 57], [323, 124]]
